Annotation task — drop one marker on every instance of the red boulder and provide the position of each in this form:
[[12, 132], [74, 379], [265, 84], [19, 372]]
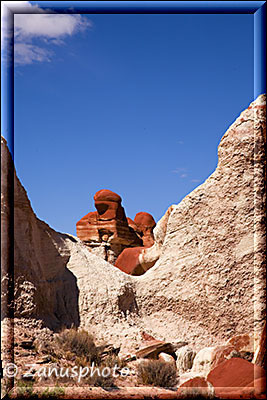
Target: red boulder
[[231, 376], [145, 224]]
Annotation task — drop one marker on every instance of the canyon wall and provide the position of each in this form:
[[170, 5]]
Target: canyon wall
[[209, 280]]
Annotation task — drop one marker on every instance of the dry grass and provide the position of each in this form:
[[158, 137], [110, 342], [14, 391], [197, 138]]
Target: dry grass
[[157, 373], [78, 343], [73, 347]]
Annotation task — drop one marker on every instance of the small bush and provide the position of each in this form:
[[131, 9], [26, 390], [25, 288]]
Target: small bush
[[112, 360], [80, 343], [157, 373]]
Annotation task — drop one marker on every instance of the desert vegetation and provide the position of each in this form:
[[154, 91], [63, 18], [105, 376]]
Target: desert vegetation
[[157, 373]]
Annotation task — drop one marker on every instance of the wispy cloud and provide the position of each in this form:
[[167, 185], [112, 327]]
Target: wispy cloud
[[26, 53], [52, 29], [181, 171]]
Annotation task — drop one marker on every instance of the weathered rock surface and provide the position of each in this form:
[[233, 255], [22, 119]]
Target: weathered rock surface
[[107, 227], [167, 358], [185, 357], [145, 224], [136, 261], [243, 342], [211, 269], [209, 357], [139, 260], [260, 353], [234, 374], [153, 348], [42, 285]]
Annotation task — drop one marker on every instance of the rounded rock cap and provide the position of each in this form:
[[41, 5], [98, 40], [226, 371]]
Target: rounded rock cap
[[107, 195], [145, 219]]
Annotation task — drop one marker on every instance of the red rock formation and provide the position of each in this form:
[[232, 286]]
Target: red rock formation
[[195, 387], [243, 342], [260, 353], [146, 337], [131, 260], [196, 382], [109, 233], [152, 348], [221, 353], [107, 226], [132, 224], [134, 261], [128, 261], [145, 224], [232, 375]]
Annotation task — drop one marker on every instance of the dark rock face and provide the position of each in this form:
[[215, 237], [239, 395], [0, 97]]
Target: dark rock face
[[108, 232]]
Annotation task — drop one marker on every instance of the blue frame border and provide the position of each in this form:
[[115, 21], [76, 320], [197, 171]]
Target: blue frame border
[[257, 8]]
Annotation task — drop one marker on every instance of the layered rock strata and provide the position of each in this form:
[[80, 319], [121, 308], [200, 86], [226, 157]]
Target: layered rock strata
[[107, 231]]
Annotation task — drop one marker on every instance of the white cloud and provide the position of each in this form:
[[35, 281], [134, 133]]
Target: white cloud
[[26, 53], [195, 180], [50, 29], [183, 176], [52, 26]]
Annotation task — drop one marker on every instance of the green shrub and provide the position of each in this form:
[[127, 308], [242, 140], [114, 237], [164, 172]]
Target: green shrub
[[157, 373]]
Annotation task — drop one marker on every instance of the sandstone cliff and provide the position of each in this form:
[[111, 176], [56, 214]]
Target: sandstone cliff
[[207, 283], [55, 276], [209, 279], [43, 286]]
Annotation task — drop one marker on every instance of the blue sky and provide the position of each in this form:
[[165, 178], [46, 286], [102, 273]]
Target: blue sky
[[132, 103]]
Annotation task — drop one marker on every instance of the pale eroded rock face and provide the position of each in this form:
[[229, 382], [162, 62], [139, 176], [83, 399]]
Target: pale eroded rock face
[[211, 267], [43, 287], [185, 357]]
